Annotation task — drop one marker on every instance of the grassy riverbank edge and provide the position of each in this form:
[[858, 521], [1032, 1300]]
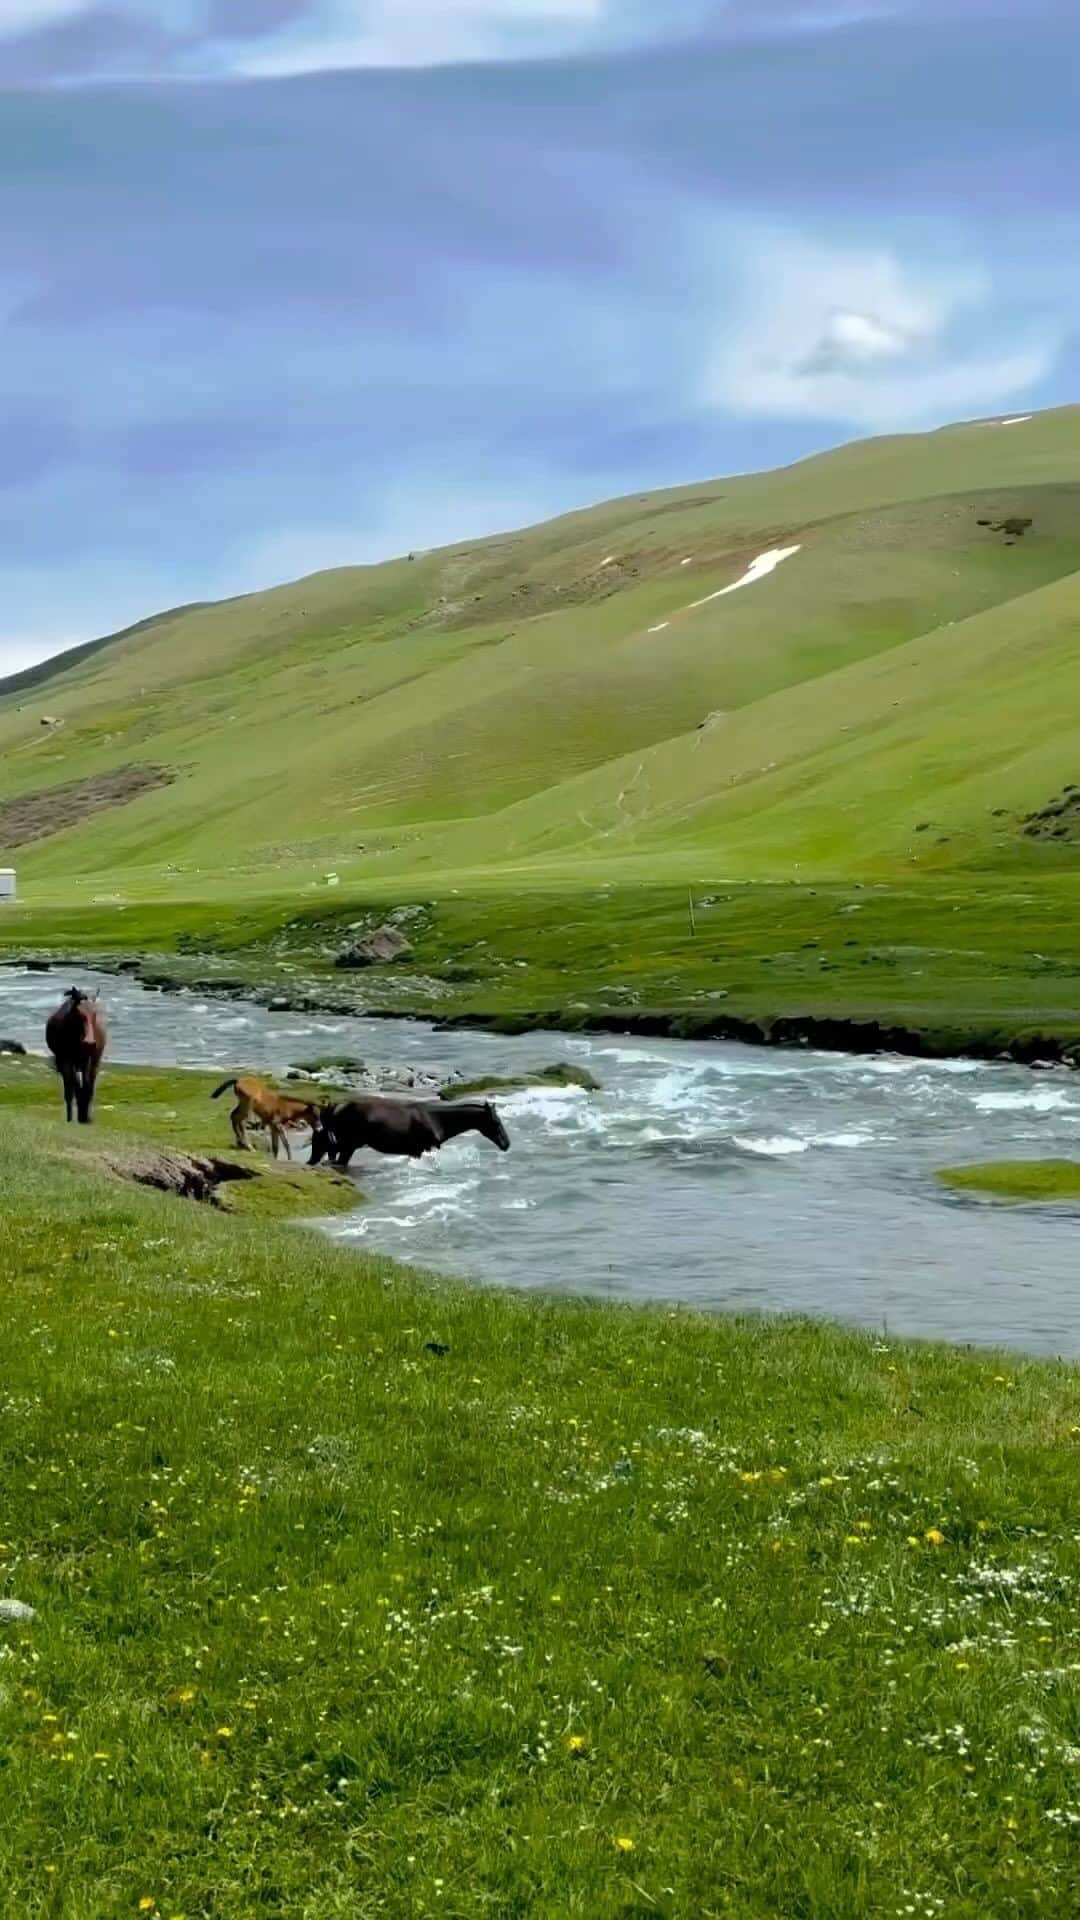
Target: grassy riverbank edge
[[932, 969], [360, 1593]]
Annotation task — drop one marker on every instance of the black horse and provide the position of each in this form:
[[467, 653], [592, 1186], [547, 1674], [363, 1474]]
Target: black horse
[[409, 1128]]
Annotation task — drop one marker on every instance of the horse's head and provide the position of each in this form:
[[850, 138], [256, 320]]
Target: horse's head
[[492, 1128], [82, 1016], [322, 1135]]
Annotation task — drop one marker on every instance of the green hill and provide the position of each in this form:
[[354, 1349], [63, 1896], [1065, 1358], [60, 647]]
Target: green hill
[[586, 703]]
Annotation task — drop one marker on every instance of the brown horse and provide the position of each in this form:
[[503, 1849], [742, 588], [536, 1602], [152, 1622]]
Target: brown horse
[[76, 1035], [274, 1111], [409, 1128]]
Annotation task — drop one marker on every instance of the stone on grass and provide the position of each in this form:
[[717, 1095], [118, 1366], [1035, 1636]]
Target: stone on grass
[[16, 1610], [377, 949]]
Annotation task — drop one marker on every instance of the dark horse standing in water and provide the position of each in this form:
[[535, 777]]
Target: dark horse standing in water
[[76, 1035], [408, 1128]]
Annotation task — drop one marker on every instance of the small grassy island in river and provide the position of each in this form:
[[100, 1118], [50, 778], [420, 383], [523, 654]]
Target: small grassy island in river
[[1017, 1180]]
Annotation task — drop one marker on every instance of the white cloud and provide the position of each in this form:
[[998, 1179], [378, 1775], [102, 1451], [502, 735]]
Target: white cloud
[[853, 340], [865, 337], [422, 33]]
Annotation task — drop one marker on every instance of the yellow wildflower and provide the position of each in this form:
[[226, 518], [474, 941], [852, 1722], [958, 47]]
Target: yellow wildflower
[[828, 1481], [854, 1540], [577, 1743], [623, 1843], [148, 1904], [225, 1733], [934, 1537]]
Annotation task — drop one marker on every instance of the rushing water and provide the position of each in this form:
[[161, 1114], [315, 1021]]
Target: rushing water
[[720, 1175]]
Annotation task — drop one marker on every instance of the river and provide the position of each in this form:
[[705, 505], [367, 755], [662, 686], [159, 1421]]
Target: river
[[722, 1176]]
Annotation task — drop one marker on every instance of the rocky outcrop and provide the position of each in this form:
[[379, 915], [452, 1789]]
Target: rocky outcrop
[[562, 1075], [191, 1176], [358, 1077], [378, 949]]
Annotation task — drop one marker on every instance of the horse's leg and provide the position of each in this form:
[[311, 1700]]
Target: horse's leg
[[89, 1083], [82, 1098], [237, 1118], [285, 1144], [68, 1073]]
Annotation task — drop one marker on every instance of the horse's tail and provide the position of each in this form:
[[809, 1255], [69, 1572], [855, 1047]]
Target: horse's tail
[[224, 1088]]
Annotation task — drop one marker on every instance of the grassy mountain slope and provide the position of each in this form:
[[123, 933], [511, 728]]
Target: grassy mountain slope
[[924, 755], [554, 701]]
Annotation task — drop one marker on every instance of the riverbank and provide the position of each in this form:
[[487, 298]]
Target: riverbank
[[346, 1579], [824, 1033], [157, 1128], [934, 970]]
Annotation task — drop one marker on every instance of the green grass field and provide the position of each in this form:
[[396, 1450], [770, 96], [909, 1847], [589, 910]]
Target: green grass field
[[544, 731], [357, 1594]]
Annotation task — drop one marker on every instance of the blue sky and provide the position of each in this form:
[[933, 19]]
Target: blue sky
[[291, 283]]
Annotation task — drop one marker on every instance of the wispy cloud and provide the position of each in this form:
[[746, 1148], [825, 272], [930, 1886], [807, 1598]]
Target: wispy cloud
[[424, 33], [63, 42], [867, 337]]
